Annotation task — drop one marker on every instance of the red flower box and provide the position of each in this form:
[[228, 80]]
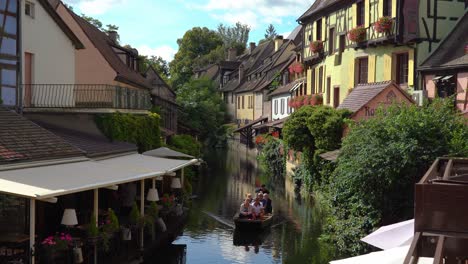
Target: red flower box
[[296, 67], [316, 46], [383, 24], [357, 34]]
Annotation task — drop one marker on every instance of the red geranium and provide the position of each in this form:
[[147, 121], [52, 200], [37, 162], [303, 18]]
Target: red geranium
[[357, 34], [275, 134], [383, 24], [316, 46]]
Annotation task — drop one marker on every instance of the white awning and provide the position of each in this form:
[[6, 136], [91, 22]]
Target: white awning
[[55, 180]]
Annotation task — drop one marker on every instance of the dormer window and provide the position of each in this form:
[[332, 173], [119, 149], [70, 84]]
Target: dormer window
[[29, 9]]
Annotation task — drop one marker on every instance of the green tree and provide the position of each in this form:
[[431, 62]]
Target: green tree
[[202, 107], [158, 63], [195, 43], [381, 159], [94, 21], [270, 32], [235, 36], [296, 133]]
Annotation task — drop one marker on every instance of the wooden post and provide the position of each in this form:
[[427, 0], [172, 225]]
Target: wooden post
[[182, 177], [96, 217], [142, 210], [32, 229]]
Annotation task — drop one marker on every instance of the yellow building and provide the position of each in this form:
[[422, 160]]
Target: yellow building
[[343, 63]]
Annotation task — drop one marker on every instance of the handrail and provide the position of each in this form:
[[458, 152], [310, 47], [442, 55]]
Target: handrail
[[85, 96]]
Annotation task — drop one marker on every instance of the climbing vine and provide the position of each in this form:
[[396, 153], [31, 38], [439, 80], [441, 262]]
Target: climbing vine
[[142, 130]]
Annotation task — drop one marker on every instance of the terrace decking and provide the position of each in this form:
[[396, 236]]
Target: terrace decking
[[441, 213]]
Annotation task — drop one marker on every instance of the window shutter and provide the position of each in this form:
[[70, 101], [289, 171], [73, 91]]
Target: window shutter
[[381, 8], [309, 81], [387, 67], [351, 74], [371, 76], [366, 13], [411, 67], [354, 13], [394, 6]]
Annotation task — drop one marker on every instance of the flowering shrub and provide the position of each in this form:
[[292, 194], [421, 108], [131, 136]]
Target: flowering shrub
[[260, 140], [383, 24], [316, 46], [357, 34], [296, 67], [300, 101], [275, 134], [57, 242], [168, 201]]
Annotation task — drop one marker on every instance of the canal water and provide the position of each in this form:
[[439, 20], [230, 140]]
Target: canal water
[[209, 237]]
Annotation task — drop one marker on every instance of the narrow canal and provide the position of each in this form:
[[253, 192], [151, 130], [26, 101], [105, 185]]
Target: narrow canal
[[208, 238]]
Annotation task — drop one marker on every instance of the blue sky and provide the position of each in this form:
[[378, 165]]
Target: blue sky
[[153, 26]]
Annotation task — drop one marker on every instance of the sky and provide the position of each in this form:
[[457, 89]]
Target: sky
[[153, 26]]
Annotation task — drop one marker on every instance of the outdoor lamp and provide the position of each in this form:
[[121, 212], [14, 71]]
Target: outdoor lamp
[[69, 217], [153, 195], [175, 184]]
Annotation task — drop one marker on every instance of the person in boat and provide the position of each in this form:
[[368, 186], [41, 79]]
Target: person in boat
[[262, 189], [262, 200], [249, 197], [245, 209], [257, 209], [268, 208]]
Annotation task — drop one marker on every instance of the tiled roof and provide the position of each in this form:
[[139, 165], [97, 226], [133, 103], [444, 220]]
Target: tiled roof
[[92, 145], [105, 46], [363, 94], [286, 88], [317, 6], [22, 140], [450, 53]]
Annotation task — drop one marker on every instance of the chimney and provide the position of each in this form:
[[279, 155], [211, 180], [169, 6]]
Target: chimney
[[278, 42], [252, 46], [241, 72], [113, 35], [232, 54]]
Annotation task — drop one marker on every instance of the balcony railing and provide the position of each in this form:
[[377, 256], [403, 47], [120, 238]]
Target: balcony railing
[[373, 37], [85, 96]]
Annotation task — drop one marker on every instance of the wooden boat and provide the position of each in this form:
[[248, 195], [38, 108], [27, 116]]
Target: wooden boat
[[243, 223]]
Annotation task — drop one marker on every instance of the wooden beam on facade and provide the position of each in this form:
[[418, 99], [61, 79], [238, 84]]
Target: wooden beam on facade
[[430, 173], [412, 256]]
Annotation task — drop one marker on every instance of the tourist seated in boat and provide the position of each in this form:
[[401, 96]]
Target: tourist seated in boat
[[245, 209], [249, 197], [260, 196], [268, 208], [262, 189], [257, 209]]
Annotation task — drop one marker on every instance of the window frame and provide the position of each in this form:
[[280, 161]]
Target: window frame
[[282, 106], [32, 9], [276, 106], [336, 96], [387, 8], [360, 76], [360, 13], [331, 41], [399, 69], [320, 85], [328, 90], [318, 30]]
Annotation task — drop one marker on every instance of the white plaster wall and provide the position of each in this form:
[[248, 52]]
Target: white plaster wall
[[53, 52], [277, 100]]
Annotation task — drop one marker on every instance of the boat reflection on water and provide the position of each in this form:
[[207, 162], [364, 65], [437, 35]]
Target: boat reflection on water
[[249, 239], [173, 254]]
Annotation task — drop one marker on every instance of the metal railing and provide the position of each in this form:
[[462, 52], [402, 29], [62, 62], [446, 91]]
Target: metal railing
[[85, 96]]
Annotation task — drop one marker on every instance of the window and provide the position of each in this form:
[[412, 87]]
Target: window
[[313, 81], [362, 70], [320, 80], [336, 96], [276, 107], [232, 98], [342, 43], [29, 9], [387, 8], [328, 90], [282, 106], [319, 29], [13, 212], [243, 102], [331, 41], [8, 52], [289, 107], [360, 14], [402, 68], [285, 77]]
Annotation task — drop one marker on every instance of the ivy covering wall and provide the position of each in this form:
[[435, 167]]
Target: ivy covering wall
[[142, 130]]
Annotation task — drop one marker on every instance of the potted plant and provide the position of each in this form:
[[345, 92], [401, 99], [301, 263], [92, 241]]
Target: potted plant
[[357, 34], [168, 201], [316, 46], [108, 229], [93, 230], [55, 246], [383, 25], [152, 217]]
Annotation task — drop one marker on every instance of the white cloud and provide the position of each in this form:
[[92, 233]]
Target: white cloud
[[95, 7], [255, 12], [166, 52]]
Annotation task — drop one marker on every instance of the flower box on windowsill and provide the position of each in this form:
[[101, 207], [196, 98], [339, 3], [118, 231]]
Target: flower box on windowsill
[[357, 34]]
